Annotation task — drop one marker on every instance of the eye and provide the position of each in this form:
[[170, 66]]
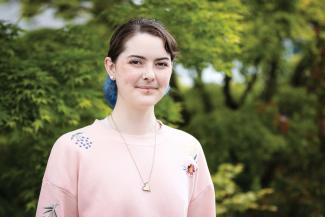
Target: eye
[[135, 62], [162, 64]]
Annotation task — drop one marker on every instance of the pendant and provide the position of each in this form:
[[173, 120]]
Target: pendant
[[146, 187]]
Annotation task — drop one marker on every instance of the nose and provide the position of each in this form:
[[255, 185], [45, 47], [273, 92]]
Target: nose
[[149, 74]]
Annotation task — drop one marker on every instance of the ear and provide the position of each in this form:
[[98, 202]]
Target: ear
[[110, 67]]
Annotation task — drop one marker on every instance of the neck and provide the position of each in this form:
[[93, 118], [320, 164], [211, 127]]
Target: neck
[[134, 121]]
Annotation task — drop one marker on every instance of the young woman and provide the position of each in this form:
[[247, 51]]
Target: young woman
[[129, 164]]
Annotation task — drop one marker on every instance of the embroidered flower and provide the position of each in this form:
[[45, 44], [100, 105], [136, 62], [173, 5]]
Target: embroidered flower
[[191, 169], [81, 140], [190, 165], [50, 210]]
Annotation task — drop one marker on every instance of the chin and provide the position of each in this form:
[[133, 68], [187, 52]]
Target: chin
[[149, 102]]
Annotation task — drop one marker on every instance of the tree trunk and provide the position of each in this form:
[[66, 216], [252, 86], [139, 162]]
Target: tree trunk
[[299, 76], [318, 85], [229, 99], [270, 82], [200, 87]]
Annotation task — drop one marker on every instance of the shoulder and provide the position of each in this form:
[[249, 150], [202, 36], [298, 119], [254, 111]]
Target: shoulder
[[181, 134], [184, 140], [77, 138]]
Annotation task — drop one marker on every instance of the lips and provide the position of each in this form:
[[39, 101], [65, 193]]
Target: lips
[[147, 87]]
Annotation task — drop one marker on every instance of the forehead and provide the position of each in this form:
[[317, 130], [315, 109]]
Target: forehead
[[144, 44]]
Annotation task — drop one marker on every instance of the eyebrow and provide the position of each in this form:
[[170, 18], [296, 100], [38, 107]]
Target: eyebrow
[[142, 57]]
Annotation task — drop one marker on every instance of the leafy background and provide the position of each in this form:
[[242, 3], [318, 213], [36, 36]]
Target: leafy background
[[264, 136]]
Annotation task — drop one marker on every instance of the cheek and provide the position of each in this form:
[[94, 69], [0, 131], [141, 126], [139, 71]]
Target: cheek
[[165, 78], [129, 79], [127, 75]]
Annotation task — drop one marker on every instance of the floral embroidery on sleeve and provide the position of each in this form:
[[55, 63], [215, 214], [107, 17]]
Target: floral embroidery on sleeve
[[81, 140], [190, 166], [50, 211]]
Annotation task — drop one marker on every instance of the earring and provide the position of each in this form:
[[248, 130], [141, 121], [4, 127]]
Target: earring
[[112, 77]]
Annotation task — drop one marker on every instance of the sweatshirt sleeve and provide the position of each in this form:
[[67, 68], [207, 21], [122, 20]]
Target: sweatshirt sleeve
[[59, 186], [202, 202]]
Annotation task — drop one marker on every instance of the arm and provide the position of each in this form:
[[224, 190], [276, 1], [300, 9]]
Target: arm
[[203, 198], [59, 186], [55, 201], [203, 204]]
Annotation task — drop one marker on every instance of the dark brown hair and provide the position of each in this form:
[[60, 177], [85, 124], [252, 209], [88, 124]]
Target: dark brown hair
[[140, 25]]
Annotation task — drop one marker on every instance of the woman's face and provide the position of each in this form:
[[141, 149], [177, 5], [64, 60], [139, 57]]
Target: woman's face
[[142, 71]]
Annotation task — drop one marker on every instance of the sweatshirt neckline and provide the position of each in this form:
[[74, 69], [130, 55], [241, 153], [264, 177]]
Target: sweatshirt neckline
[[105, 124]]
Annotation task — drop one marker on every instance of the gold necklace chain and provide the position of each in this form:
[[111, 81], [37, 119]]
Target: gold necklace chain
[[146, 184]]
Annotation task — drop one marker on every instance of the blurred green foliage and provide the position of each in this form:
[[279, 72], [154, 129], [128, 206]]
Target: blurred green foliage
[[264, 137], [229, 197]]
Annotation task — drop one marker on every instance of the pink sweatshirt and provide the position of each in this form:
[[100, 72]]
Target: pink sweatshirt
[[90, 173]]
